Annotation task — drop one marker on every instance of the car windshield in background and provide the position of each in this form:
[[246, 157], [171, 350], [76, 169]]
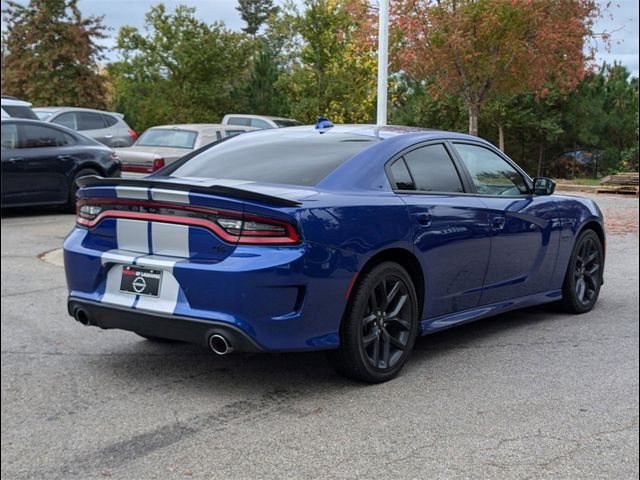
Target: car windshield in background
[[300, 159], [43, 114], [286, 123], [164, 137]]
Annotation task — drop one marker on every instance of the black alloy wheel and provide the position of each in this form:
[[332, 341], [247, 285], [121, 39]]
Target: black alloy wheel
[[584, 274], [380, 325]]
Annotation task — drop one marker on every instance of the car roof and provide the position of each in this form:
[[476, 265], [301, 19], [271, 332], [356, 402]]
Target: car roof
[[201, 127], [12, 101], [75, 109]]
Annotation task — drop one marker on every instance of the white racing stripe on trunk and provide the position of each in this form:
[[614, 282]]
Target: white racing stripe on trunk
[[117, 256], [170, 239], [137, 193], [158, 262], [112, 294], [166, 301], [174, 196], [132, 235]]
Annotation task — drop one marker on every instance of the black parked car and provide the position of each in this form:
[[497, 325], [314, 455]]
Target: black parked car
[[41, 162]]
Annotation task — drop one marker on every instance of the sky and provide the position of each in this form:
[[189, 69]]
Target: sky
[[620, 20]]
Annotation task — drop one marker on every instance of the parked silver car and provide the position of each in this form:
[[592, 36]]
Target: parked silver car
[[161, 145], [106, 127], [259, 121]]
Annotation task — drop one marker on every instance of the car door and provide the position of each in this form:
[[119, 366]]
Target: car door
[[450, 228], [525, 229], [45, 163]]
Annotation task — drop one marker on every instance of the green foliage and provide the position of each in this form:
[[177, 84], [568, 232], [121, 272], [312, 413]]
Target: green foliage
[[331, 75], [49, 54], [255, 13], [181, 70]]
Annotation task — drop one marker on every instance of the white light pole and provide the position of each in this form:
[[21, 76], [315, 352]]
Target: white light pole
[[383, 60]]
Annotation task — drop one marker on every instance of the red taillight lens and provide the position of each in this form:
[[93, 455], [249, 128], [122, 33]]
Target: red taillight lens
[[133, 134], [232, 227], [158, 163]]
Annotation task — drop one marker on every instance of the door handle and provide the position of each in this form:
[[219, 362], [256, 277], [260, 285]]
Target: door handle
[[424, 219], [108, 135], [16, 159], [63, 157], [498, 222]]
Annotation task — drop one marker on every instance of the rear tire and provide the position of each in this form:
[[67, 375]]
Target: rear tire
[[583, 279], [73, 187], [379, 327]]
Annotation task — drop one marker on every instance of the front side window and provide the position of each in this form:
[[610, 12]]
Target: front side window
[[68, 120], [432, 169], [9, 136], [490, 173]]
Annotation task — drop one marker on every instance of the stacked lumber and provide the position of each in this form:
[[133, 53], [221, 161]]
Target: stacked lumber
[[625, 183]]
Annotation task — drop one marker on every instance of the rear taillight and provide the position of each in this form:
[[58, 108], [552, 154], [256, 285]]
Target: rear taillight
[[232, 227], [158, 163], [133, 134]]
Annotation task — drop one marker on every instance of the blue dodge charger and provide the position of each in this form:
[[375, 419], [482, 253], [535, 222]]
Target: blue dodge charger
[[351, 239]]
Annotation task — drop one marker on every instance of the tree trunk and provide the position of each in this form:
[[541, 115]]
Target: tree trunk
[[540, 159], [501, 138], [474, 113]]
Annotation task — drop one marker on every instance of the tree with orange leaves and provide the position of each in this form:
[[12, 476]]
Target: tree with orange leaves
[[481, 48]]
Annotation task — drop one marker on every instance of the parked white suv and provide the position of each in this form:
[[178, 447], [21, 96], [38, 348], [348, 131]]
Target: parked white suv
[[258, 121], [12, 107]]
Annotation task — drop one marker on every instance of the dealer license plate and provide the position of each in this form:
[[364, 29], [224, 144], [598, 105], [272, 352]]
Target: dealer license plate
[[140, 281]]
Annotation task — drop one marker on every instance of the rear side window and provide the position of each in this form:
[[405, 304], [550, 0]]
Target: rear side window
[[432, 169], [109, 120], [90, 121], [246, 122], [264, 157], [38, 136], [401, 177], [68, 120], [233, 133]]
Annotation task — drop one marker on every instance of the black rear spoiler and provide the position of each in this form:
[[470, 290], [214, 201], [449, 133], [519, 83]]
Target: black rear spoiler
[[221, 190]]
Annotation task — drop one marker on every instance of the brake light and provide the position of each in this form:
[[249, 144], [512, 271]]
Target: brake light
[[133, 134], [232, 227], [158, 163]]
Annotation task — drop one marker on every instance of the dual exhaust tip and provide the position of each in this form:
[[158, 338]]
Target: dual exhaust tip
[[219, 344]]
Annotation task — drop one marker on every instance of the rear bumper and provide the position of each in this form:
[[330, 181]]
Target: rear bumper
[[160, 325]]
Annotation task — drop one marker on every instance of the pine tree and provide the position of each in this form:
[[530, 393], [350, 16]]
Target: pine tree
[[255, 13]]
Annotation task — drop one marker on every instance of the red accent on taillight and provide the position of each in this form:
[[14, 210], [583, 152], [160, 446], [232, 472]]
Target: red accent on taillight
[[275, 232], [136, 168], [158, 163], [133, 134]]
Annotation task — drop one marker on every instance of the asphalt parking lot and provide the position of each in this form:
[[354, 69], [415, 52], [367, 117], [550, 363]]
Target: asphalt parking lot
[[531, 394]]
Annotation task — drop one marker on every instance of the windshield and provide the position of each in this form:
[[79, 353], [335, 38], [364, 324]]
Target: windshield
[[287, 123], [43, 114], [165, 137], [279, 156]]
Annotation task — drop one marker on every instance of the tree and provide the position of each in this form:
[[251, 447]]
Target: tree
[[333, 74], [480, 48], [50, 55], [180, 70], [255, 13]]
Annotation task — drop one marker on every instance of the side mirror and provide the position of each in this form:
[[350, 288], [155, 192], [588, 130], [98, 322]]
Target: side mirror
[[543, 186]]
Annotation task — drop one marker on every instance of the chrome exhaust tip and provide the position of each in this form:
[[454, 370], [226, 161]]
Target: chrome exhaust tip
[[82, 316], [219, 345]]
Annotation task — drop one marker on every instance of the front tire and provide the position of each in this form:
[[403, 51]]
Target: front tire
[[379, 327], [583, 279]]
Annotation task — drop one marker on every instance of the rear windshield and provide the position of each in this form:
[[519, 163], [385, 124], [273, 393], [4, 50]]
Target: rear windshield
[[19, 111], [297, 159], [164, 137], [286, 123]]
